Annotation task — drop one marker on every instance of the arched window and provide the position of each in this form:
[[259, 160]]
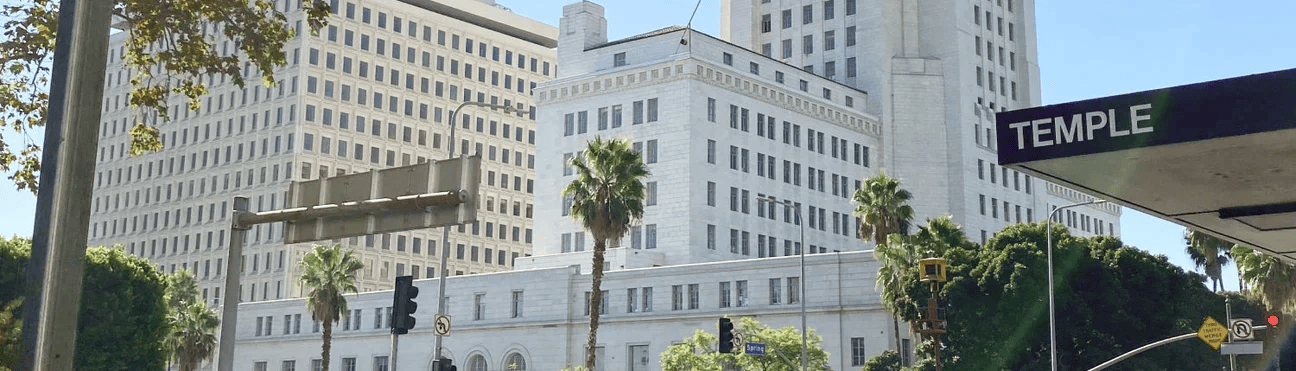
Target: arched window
[[477, 363], [515, 362]]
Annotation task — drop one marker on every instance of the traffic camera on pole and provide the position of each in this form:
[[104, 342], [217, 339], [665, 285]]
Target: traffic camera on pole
[[403, 306], [726, 335]]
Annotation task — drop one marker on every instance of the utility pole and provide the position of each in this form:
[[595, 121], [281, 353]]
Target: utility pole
[[932, 271], [62, 224]]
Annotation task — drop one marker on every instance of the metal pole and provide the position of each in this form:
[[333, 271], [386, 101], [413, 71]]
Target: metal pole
[[57, 265], [1052, 315], [804, 360], [804, 336], [233, 272], [445, 232], [395, 342], [1228, 313]]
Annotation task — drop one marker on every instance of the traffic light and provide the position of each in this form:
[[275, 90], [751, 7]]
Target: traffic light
[[1273, 319], [444, 364], [403, 306], [726, 335]]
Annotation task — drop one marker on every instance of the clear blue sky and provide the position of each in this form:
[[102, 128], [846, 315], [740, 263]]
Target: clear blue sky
[[1087, 49]]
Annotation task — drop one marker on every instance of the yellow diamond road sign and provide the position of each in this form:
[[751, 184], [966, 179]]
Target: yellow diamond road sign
[[1212, 332]]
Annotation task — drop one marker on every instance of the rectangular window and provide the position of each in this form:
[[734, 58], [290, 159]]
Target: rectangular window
[[794, 286], [807, 14], [807, 44], [775, 290], [724, 294], [677, 297], [694, 295], [517, 303], [858, 357], [619, 59]]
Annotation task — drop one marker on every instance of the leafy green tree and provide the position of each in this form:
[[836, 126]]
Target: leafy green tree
[[607, 196], [782, 351], [1209, 253], [10, 334], [888, 360], [883, 209], [121, 324], [1271, 279], [329, 272], [1111, 298], [171, 47]]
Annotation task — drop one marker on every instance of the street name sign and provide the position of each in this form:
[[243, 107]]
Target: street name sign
[[1212, 332], [460, 175], [755, 349], [1247, 347]]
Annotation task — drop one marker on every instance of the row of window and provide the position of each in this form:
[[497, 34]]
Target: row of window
[[640, 237], [828, 11], [167, 218], [766, 246], [610, 117], [804, 85], [412, 27], [476, 362], [730, 294], [740, 119]]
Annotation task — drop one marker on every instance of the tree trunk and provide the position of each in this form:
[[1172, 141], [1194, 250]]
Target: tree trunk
[[328, 344], [895, 320], [596, 302]]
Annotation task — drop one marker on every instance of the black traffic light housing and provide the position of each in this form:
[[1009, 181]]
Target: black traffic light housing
[[726, 335], [444, 364], [403, 305]]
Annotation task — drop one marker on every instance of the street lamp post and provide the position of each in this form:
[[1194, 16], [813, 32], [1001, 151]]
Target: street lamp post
[[788, 204], [445, 231], [1052, 315]]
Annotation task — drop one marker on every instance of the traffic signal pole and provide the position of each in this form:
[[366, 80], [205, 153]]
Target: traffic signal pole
[[62, 223], [395, 342]]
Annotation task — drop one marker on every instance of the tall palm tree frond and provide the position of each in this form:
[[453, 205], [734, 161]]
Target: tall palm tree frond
[[607, 197], [330, 273]]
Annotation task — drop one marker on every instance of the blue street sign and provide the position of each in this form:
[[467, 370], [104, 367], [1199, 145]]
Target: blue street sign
[[756, 349]]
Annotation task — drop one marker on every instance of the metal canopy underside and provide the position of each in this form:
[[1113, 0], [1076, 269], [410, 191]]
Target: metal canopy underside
[[1217, 156]]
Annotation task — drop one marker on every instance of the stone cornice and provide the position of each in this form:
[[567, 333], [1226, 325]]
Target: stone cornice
[[560, 91]]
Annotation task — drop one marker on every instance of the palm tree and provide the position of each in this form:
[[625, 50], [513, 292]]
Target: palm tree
[[193, 334], [330, 272], [883, 208], [884, 213], [1209, 253], [1267, 276], [606, 197]]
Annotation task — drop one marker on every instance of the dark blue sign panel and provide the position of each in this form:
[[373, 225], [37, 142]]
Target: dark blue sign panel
[[1222, 108], [756, 349]]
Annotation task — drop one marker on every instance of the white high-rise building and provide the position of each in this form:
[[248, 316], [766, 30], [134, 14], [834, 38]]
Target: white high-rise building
[[936, 72], [372, 90], [719, 126]]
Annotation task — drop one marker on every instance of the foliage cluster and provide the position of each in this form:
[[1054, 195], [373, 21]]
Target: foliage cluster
[[122, 323], [173, 48], [782, 351], [1110, 299]]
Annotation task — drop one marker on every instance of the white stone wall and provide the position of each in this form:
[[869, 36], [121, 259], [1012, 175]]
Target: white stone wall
[[941, 101], [552, 329], [681, 78]]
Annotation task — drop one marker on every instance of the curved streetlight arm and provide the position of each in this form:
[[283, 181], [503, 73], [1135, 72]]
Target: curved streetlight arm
[[1052, 315], [445, 232], [450, 141]]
